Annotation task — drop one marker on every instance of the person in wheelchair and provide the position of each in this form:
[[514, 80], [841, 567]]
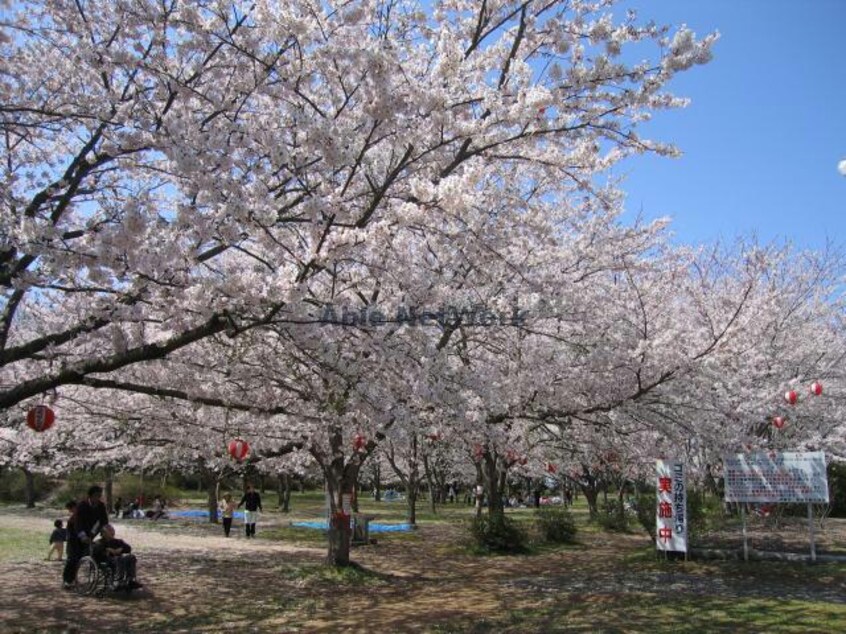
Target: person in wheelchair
[[117, 555]]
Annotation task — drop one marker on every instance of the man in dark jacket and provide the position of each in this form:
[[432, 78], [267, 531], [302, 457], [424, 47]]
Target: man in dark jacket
[[252, 499], [90, 517]]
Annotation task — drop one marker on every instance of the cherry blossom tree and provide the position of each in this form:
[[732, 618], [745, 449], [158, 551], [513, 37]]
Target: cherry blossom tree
[[190, 187], [183, 170]]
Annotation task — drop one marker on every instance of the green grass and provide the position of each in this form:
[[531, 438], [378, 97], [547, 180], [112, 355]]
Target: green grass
[[22, 545], [674, 614]]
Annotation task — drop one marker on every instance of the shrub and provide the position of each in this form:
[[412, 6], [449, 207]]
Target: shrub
[[704, 513], [13, 486], [837, 488], [613, 518], [556, 524], [645, 509], [497, 534]]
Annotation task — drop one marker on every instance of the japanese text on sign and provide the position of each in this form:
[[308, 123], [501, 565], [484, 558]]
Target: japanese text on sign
[[776, 477], [671, 520]]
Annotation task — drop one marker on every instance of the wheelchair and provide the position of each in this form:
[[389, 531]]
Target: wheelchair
[[94, 578]]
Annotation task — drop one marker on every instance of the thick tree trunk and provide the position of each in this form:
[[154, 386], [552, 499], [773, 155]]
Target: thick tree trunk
[[478, 490], [411, 498], [29, 488], [340, 530], [413, 484], [377, 482], [430, 483], [354, 502], [340, 482], [592, 496], [283, 491], [211, 483], [492, 481], [141, 498], [108, 491]]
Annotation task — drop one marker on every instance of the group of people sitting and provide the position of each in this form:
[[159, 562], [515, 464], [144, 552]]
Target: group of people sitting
[[133, 510], [88, 519]]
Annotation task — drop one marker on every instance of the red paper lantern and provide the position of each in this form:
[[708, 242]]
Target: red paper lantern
[[790, 396], [239, 449], [40, 418], [778, 422], [816, 388], [359, 442]]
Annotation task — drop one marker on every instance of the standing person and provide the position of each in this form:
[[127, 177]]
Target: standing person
[[252, 499], [57, 541], [91, 515], [158, 508], [75, 548], [90, 518], [119, 508], [228, 511]]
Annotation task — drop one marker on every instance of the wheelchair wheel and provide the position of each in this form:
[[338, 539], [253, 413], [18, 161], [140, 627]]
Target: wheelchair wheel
[[87, 576]]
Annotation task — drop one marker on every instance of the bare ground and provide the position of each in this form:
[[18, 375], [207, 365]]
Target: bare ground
[[196, 581]]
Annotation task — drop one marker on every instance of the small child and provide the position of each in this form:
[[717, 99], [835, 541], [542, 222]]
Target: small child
[[57, 541]]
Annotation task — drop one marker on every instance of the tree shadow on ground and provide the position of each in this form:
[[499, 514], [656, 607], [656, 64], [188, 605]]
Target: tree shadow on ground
[[607, 583]]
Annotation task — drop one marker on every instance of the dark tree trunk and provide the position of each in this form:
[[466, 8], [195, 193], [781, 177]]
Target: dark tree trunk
[[430, 483], [478, 489], [210, 481], [413, 483], [492, 481], [591, 495], [29, 488], [377, 482], [340, 482], [283, 491], [108, 491]]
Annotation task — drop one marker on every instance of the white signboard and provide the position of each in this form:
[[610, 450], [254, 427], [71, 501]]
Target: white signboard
[[776, 477], [671, 509]]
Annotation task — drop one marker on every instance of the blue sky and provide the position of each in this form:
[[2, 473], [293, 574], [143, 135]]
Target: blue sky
[[764, 132]]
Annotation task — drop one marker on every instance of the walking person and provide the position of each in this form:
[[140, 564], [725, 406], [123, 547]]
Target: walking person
[[227, 509], [57, 541], [252, 502]]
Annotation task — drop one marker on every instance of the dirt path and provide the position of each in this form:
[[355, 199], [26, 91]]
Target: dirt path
[[197, 582]]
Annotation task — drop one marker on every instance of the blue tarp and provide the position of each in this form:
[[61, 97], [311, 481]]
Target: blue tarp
[[199, 514], [374, 528]]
